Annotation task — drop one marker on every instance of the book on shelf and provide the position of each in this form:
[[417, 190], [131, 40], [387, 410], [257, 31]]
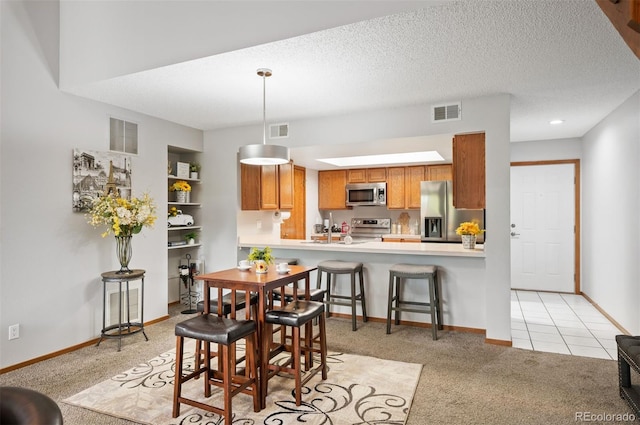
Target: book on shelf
[[178, 243]]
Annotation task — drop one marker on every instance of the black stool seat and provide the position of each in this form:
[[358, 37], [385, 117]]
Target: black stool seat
[[289, 261], [314, 294], [218, 330], [226, 303], [629, 358], [24, 406], [296, 313]]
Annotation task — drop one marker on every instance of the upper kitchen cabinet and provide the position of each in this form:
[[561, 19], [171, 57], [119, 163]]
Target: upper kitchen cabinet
[[403, 187], [367, 175], [469, 171], [439, 172], [331, 189], [267, 187], [250, 187]]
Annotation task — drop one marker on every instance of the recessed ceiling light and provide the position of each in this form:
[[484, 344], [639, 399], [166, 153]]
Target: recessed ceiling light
[[391, 158], [555, 122]]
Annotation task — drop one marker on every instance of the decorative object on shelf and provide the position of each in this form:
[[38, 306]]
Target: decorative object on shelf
[[191, 238], [261, 258], [182, 170], [194, 169], [179, 219], [182, 190], [264, 154], [173, 211], [187, 273], [124, 218], [469, 231]]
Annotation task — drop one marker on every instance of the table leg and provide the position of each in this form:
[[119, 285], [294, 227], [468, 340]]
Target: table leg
[[263, 341], [120, 315]]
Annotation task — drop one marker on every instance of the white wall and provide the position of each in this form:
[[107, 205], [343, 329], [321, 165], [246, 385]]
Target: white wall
[[51, 258], [545, 150], [490, 114], [611, 214]]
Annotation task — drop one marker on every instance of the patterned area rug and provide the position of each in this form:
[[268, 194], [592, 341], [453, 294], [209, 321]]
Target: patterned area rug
[[358, 390]]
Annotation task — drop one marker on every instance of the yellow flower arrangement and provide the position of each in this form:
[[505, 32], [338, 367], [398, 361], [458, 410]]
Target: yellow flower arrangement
[[469, 228], [181, 186], [173, 211], [123, 217]]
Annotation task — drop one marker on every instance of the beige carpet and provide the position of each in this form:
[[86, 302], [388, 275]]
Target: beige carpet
[[358, 389]]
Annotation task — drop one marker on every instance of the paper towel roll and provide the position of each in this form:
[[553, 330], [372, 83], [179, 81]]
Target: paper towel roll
[[278, 216]]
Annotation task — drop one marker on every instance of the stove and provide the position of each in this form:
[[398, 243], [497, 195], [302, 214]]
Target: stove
[[370, 229]]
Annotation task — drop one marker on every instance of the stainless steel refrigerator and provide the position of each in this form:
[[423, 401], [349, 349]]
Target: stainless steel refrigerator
[[438, 216]]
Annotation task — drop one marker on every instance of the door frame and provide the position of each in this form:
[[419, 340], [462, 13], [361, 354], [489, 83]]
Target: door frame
[[576, 176]]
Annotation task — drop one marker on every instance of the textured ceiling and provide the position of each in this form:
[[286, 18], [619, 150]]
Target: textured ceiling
[[558, 59]]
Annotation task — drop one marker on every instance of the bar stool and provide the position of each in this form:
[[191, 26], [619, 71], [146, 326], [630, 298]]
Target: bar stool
[[226, 311], [225, 332], [397, 274], [336, 267], [297, 314]]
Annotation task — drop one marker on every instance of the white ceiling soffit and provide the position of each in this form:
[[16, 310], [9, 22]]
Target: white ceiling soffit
[[557, 59], [105, 39]]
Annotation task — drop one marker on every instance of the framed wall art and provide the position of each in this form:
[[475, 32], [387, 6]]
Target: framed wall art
[[98, 173]]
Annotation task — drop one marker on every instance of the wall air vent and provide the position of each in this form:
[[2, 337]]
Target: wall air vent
[[443, 113], [278, 131]]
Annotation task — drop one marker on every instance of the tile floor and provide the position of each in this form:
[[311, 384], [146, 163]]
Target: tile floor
[[561, 323]]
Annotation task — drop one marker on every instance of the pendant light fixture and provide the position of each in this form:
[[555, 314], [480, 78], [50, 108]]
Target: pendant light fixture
[[263, 154]]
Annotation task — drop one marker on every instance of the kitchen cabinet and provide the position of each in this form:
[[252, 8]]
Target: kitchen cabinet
[[267, 187], [294, 226], [469, 171], [403, 187], [439, 172], [331, 189], [250, 187], [367, 175]]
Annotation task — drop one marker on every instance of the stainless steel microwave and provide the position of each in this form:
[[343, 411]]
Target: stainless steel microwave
[[366, 194]]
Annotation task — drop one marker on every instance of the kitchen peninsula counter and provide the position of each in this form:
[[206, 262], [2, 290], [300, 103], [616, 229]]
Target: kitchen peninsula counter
[[462, 273], [429, 249]]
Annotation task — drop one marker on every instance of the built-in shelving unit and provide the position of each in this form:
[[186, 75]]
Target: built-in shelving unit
[[177, 254]]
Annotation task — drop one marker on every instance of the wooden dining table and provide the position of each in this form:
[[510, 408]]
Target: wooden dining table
[[262, 284]]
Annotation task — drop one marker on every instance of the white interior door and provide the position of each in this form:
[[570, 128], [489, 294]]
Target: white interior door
[[543, 227]]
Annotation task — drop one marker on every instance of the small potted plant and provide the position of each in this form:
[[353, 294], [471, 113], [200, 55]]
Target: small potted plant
[[190, 238], [261, 258], [194, 169], [469, 231]]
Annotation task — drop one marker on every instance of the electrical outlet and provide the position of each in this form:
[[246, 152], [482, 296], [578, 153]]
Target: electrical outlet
[[14, 331]]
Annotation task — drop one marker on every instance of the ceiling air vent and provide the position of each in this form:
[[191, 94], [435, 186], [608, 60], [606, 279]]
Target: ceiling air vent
[[442, 113], [278, 131]]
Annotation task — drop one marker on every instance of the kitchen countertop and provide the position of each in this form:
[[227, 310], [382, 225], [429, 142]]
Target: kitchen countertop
[[434, 249]]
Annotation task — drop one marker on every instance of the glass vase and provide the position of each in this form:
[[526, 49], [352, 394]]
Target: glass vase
[[124, 252]]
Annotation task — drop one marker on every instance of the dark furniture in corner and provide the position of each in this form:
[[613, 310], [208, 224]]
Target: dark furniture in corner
[[629, 358]]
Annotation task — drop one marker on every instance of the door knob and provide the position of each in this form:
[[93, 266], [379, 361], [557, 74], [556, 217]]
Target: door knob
[[515, 234]]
